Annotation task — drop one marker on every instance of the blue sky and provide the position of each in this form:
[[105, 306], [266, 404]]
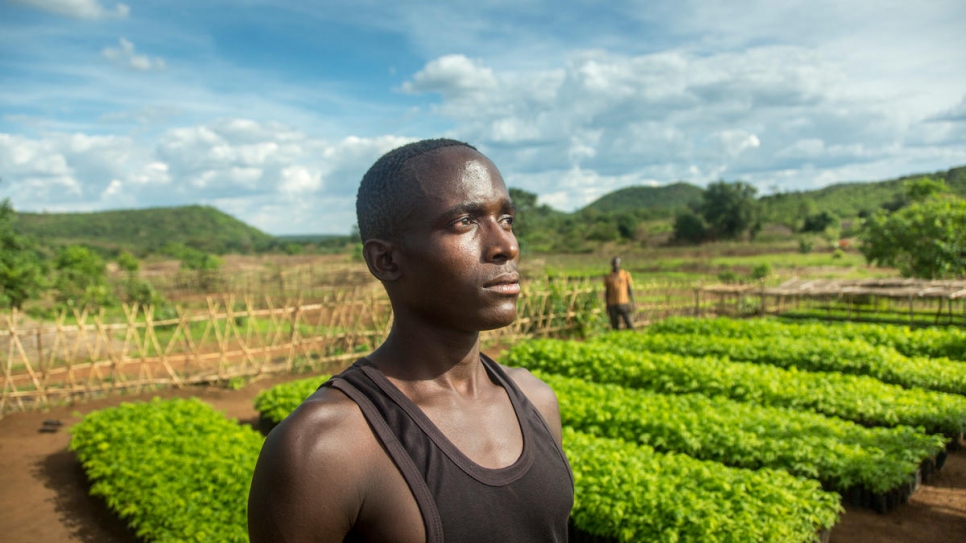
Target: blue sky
[[272, 111]]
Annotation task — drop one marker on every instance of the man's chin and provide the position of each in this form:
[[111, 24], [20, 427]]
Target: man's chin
[[499, 321]]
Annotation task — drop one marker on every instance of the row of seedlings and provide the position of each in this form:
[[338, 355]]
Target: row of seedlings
[[872, 467], [861, 399], [932, 342], [854, 357]]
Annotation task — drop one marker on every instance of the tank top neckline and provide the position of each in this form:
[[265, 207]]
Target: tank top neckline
[[490, 476]]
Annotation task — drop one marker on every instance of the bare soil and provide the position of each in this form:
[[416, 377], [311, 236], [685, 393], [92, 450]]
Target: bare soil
[[43, 490]]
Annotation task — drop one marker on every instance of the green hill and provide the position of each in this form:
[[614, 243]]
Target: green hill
[[147, 230], [849, 200], [668, 197]]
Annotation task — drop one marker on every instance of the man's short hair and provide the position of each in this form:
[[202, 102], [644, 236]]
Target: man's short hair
[[387, 190]]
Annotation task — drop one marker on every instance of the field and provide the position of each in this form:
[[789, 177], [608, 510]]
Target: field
[[281, 316], [871, 467], [45, 500]]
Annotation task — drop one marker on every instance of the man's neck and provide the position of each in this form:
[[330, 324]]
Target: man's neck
[[422, 355]]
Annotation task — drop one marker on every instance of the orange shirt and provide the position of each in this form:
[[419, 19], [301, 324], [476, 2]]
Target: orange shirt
[[617, 285]]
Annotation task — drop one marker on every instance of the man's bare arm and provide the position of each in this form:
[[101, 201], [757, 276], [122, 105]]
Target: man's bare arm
[[307, 485]]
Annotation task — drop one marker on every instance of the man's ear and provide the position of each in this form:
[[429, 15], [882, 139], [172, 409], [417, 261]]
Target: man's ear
[[380, 256]]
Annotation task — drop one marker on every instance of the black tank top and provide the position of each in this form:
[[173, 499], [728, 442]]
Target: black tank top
[[460, 501]]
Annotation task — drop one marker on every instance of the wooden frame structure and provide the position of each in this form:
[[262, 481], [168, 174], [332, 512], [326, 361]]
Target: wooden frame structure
[[916, 302]]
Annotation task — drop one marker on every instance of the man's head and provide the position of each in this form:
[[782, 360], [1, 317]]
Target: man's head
[[388, 190], [444, 246], [615, 263]]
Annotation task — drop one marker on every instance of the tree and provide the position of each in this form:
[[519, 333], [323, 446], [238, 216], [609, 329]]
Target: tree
[[916, 190], [81, 278], [128, 262], [819, 222], [626, 225], [729, 209], [525, 203], [689, 228], [726, 211], [21, 273], [926, 239]]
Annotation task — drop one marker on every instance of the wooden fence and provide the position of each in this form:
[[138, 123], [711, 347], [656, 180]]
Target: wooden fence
[[83, 356], [305, 280], [909, 302]]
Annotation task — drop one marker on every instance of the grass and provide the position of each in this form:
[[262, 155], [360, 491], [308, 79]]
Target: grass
[[703, 264]]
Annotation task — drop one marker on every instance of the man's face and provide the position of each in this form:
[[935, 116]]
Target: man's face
[[457, 253]]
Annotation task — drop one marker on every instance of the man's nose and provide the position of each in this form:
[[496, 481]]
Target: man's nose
[[501, 243]]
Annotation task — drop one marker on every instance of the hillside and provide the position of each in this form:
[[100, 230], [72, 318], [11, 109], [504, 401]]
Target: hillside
[[848, 200], [668, 197], [147, 230]]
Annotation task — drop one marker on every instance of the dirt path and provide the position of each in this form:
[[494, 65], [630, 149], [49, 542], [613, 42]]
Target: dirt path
[[43, 491]]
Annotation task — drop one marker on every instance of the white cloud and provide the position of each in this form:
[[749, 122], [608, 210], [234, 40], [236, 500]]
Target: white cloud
[[589, 100], [957, 113], [79, 9], [298, 179], [246, 165], [460, 81], [735, 142], [611, 119], [126, 57]]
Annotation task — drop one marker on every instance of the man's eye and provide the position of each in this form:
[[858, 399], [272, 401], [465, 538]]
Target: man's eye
[[465, 221]]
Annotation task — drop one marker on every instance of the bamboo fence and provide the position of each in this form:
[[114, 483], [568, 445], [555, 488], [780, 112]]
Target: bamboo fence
[[83, 356], [913, 302], [305, 280]]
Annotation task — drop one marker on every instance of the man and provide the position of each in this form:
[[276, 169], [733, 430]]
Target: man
[[619, 295], [425, 439]]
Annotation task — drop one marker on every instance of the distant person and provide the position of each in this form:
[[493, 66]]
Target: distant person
[[426, 439], [619, 295]]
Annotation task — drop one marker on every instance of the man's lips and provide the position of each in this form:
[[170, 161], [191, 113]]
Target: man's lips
[[507, 283]]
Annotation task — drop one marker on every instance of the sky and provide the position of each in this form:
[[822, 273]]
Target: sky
[[273, 111]]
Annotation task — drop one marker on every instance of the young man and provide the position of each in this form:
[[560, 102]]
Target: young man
[[425, 439], [619, 295]]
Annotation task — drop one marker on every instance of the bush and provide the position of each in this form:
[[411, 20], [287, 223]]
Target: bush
[[21, 271], [174, 470], [761, 271], [689, 228], [819, 222], [727, 276], [81, 278], [927, 239]]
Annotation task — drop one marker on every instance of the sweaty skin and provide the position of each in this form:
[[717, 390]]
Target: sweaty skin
[[322, 475]]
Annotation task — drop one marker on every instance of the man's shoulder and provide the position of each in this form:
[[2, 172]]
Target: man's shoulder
[[325, 429], [539, 393], [524, 379], [317, 471]]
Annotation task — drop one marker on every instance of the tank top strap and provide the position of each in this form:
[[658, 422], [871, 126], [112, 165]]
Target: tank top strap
[[530, 412], [432, 522]]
